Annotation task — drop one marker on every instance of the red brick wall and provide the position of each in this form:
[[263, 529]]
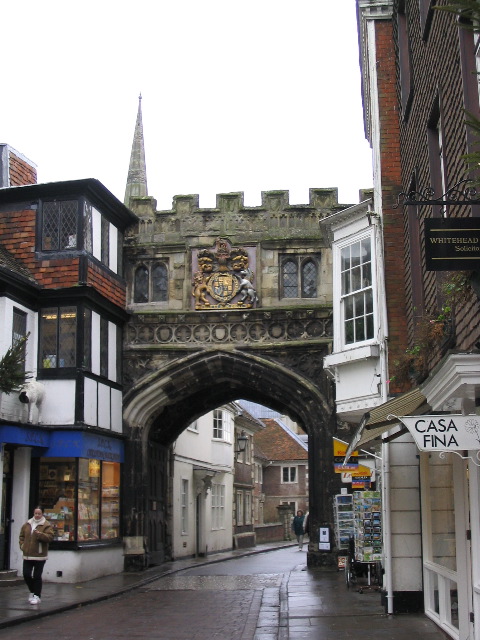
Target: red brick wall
[[21, 172], [277, 492], [105, 284], [436, 72], [391, 185], [17, 232]]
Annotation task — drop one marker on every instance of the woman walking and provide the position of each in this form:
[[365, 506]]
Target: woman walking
[[35, 536], [298, 528]]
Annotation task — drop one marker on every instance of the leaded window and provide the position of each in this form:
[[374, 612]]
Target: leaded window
[[290, 279], [299, 277], [159, 283], [19, 332], [309, 279], [59, 230], [150, 283], [58, 337], [141, 284], [87, 228]]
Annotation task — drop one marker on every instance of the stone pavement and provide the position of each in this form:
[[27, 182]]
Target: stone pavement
[[309, 604]]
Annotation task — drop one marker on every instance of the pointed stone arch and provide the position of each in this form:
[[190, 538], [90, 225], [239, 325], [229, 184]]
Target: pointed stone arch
[[160, 405], [217, 377]]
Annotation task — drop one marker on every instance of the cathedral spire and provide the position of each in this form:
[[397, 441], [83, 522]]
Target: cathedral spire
[[137, 171]]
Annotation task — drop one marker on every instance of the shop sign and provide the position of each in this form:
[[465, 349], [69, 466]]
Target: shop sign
[[361, 482], [340, 449], [452, 243], [341, 468], [444, 433], [26, 436], [78, 444], [362, 471]]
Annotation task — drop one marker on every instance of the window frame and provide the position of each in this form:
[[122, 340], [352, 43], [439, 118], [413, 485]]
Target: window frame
[[94, 508], [239, 508], [75, 229], [184, 490], [20, 333], [51, 361], [218, 506], [300, 261], [292, 470], [222, 426], [152, 292], [340, 297]]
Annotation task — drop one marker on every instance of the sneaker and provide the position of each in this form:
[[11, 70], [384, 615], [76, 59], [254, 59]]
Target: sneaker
[[35, 600], [30, 597]]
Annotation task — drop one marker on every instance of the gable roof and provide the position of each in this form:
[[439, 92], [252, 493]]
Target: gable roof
[[278, 442]]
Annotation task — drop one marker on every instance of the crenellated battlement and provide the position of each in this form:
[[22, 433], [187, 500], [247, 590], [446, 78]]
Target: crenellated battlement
[[275, 217]]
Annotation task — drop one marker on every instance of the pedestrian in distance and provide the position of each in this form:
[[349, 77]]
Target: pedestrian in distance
[[298, 528], [35, 536]]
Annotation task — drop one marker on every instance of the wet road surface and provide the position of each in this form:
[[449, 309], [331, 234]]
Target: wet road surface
[[269, 596]]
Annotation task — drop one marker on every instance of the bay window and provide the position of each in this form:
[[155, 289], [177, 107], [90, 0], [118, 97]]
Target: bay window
[[357, 291]]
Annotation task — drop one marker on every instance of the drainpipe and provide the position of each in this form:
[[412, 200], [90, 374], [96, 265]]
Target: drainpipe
[[387, 531]]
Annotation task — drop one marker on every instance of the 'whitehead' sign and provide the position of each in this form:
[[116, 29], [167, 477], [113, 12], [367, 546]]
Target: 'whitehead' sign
[[444, 433]]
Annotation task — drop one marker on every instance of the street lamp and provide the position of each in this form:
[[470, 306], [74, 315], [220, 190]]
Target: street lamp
[[242, 440]]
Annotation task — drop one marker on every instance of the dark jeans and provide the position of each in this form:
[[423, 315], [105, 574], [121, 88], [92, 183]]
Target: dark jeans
[[34, 582]]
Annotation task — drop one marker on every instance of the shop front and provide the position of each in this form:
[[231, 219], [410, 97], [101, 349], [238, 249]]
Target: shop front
[[431, 484], [75, 476]]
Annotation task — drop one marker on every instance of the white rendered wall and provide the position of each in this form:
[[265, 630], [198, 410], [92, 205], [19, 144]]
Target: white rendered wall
[[96, 233], [90, 403], [197, 448], [184, 542], [95, 343], [79, 566], [59, 402], [116, 410], [10, 406], [113, 248], [112, 351], [405, 515], [103, 406]]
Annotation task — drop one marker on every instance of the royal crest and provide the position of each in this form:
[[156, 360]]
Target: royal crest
[[224, 278]]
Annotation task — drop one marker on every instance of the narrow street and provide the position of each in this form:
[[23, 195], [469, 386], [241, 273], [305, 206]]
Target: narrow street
[[269, 596]]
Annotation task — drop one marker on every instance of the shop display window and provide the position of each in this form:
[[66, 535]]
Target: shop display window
[[81, 498]]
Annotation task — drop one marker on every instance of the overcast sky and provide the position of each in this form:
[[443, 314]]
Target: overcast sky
[[247, 95]]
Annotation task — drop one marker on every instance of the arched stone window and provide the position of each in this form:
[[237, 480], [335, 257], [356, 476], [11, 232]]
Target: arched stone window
[[159, 283], [141, 287]]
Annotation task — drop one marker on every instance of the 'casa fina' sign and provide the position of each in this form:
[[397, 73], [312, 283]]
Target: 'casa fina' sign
[[444, 433]]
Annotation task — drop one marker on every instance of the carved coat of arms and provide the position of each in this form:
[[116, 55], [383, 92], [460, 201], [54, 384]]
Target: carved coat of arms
[[224, 278]]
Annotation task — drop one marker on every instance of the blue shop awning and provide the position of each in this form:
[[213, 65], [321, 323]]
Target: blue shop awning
[[64, 443]]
